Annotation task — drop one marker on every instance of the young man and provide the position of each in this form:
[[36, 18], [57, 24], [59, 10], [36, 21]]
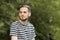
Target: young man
[[22, 29]]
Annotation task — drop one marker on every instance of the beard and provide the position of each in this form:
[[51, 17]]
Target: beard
[[23, 19]]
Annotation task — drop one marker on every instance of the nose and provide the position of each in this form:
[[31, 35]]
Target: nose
[[22, 14]]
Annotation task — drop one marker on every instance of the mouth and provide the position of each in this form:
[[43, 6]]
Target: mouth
[[22, 16]]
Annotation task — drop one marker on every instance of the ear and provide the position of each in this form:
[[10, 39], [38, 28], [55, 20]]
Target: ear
[[29, 14]]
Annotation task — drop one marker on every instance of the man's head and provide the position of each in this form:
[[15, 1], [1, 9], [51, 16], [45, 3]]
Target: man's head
[[24, 12]]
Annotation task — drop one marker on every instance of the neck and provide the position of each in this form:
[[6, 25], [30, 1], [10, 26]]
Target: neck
[[23, 22]]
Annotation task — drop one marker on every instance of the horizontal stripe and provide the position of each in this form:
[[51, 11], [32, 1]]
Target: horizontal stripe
[[23, 32]]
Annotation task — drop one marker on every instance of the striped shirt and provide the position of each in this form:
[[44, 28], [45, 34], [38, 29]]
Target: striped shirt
[[23, 32]]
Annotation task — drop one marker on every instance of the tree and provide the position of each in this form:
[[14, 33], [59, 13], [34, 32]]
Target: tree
[[45, 17]]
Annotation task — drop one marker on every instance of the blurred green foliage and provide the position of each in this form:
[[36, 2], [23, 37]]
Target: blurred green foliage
[[45, 17]]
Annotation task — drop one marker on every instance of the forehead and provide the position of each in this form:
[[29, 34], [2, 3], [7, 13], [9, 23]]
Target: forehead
[[23, 9]]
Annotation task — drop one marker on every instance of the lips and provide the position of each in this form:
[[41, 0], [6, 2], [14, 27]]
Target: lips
[[22, 16]]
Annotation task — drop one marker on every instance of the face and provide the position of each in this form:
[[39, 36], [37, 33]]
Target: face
[[24, 13]]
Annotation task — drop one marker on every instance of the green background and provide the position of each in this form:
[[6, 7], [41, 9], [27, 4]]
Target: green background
[[45, 17]]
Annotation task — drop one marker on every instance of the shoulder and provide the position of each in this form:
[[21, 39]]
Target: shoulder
[[30, 24], [14, 23]]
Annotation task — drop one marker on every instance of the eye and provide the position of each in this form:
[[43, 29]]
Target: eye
[[24, 11]]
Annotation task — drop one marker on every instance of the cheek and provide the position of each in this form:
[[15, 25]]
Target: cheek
[[27, 15]]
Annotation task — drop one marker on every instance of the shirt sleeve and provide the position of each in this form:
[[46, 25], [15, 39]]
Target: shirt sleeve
[[33, 32], [12, 30]]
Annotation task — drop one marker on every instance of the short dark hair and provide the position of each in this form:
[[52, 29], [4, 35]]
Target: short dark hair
[[27, 6]]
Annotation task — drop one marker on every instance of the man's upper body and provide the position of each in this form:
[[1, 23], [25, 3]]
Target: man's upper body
[[22, 32], [22, 29]]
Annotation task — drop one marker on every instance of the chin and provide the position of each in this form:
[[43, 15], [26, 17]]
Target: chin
[[23, 19]]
